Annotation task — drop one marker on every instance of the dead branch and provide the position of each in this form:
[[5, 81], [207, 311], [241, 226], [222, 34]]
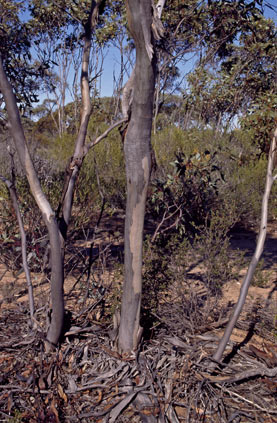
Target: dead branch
[[259, 371]]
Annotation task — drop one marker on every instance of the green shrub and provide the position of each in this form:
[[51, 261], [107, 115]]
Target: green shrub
[[245, 189], [103, 170], [182, 200], [212, 245], [61, 149]]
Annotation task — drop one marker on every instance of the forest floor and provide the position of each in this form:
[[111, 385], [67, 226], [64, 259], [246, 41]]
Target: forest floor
[[168, 380]]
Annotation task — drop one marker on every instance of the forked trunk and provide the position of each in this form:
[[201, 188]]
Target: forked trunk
[[79, 152]]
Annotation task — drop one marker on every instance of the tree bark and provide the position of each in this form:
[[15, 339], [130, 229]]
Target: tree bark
[[48, 214], [138, 163], [270, 178], [79, 153], [81, 148]]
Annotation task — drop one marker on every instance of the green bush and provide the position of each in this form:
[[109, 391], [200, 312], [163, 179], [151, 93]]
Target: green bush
[[61, 149], [103, 170], [245, 189], [182, 200], [226, 163], [212, 245]]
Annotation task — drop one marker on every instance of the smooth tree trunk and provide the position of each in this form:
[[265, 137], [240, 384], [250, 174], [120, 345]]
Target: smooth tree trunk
[[138, 163], [48, 214], [270, 178], [79, 153], [81, 148]]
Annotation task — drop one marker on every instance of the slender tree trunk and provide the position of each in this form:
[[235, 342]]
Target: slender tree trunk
[[81, 148], [270, 178], [138, 162], [14, 199], [78, 155], [48, 214]]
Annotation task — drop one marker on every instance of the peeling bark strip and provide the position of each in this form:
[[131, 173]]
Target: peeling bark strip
[[138, 163], [48, 214]]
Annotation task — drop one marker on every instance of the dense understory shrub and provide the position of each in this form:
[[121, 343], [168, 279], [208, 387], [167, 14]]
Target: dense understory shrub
[[198, 172], [200, 169], [212, 245], [245, 190], [103, 172], [183, 199]]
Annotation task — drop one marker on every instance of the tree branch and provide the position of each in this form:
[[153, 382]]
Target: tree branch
[[104, 135], [257, 254], [14, 198]]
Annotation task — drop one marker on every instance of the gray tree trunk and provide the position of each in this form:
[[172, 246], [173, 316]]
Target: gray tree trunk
[[48, 214], [138, 163], [79, 152]]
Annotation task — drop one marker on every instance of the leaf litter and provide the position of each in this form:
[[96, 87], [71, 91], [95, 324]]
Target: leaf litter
[[167, 380]]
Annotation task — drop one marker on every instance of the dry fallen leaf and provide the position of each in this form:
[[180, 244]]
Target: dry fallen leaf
[[41, 383], [62, 393]]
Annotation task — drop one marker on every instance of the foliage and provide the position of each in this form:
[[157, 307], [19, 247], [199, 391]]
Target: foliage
[[225, 168], [245, 190], [183, 198], [157, 272], [9, 236], [15, 43], [166, 143], [62, 148], [219, 91], [261, 120], [103, 171], [213, 247], [259, 279]]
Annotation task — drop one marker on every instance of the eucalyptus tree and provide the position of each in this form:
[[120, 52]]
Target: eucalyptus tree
[[142, 19], [15, 37], [229, 87], [213, 28], [55, 18], [48, 214]]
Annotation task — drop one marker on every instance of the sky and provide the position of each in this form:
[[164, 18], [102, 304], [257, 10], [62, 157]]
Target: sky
[[111, 64]]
